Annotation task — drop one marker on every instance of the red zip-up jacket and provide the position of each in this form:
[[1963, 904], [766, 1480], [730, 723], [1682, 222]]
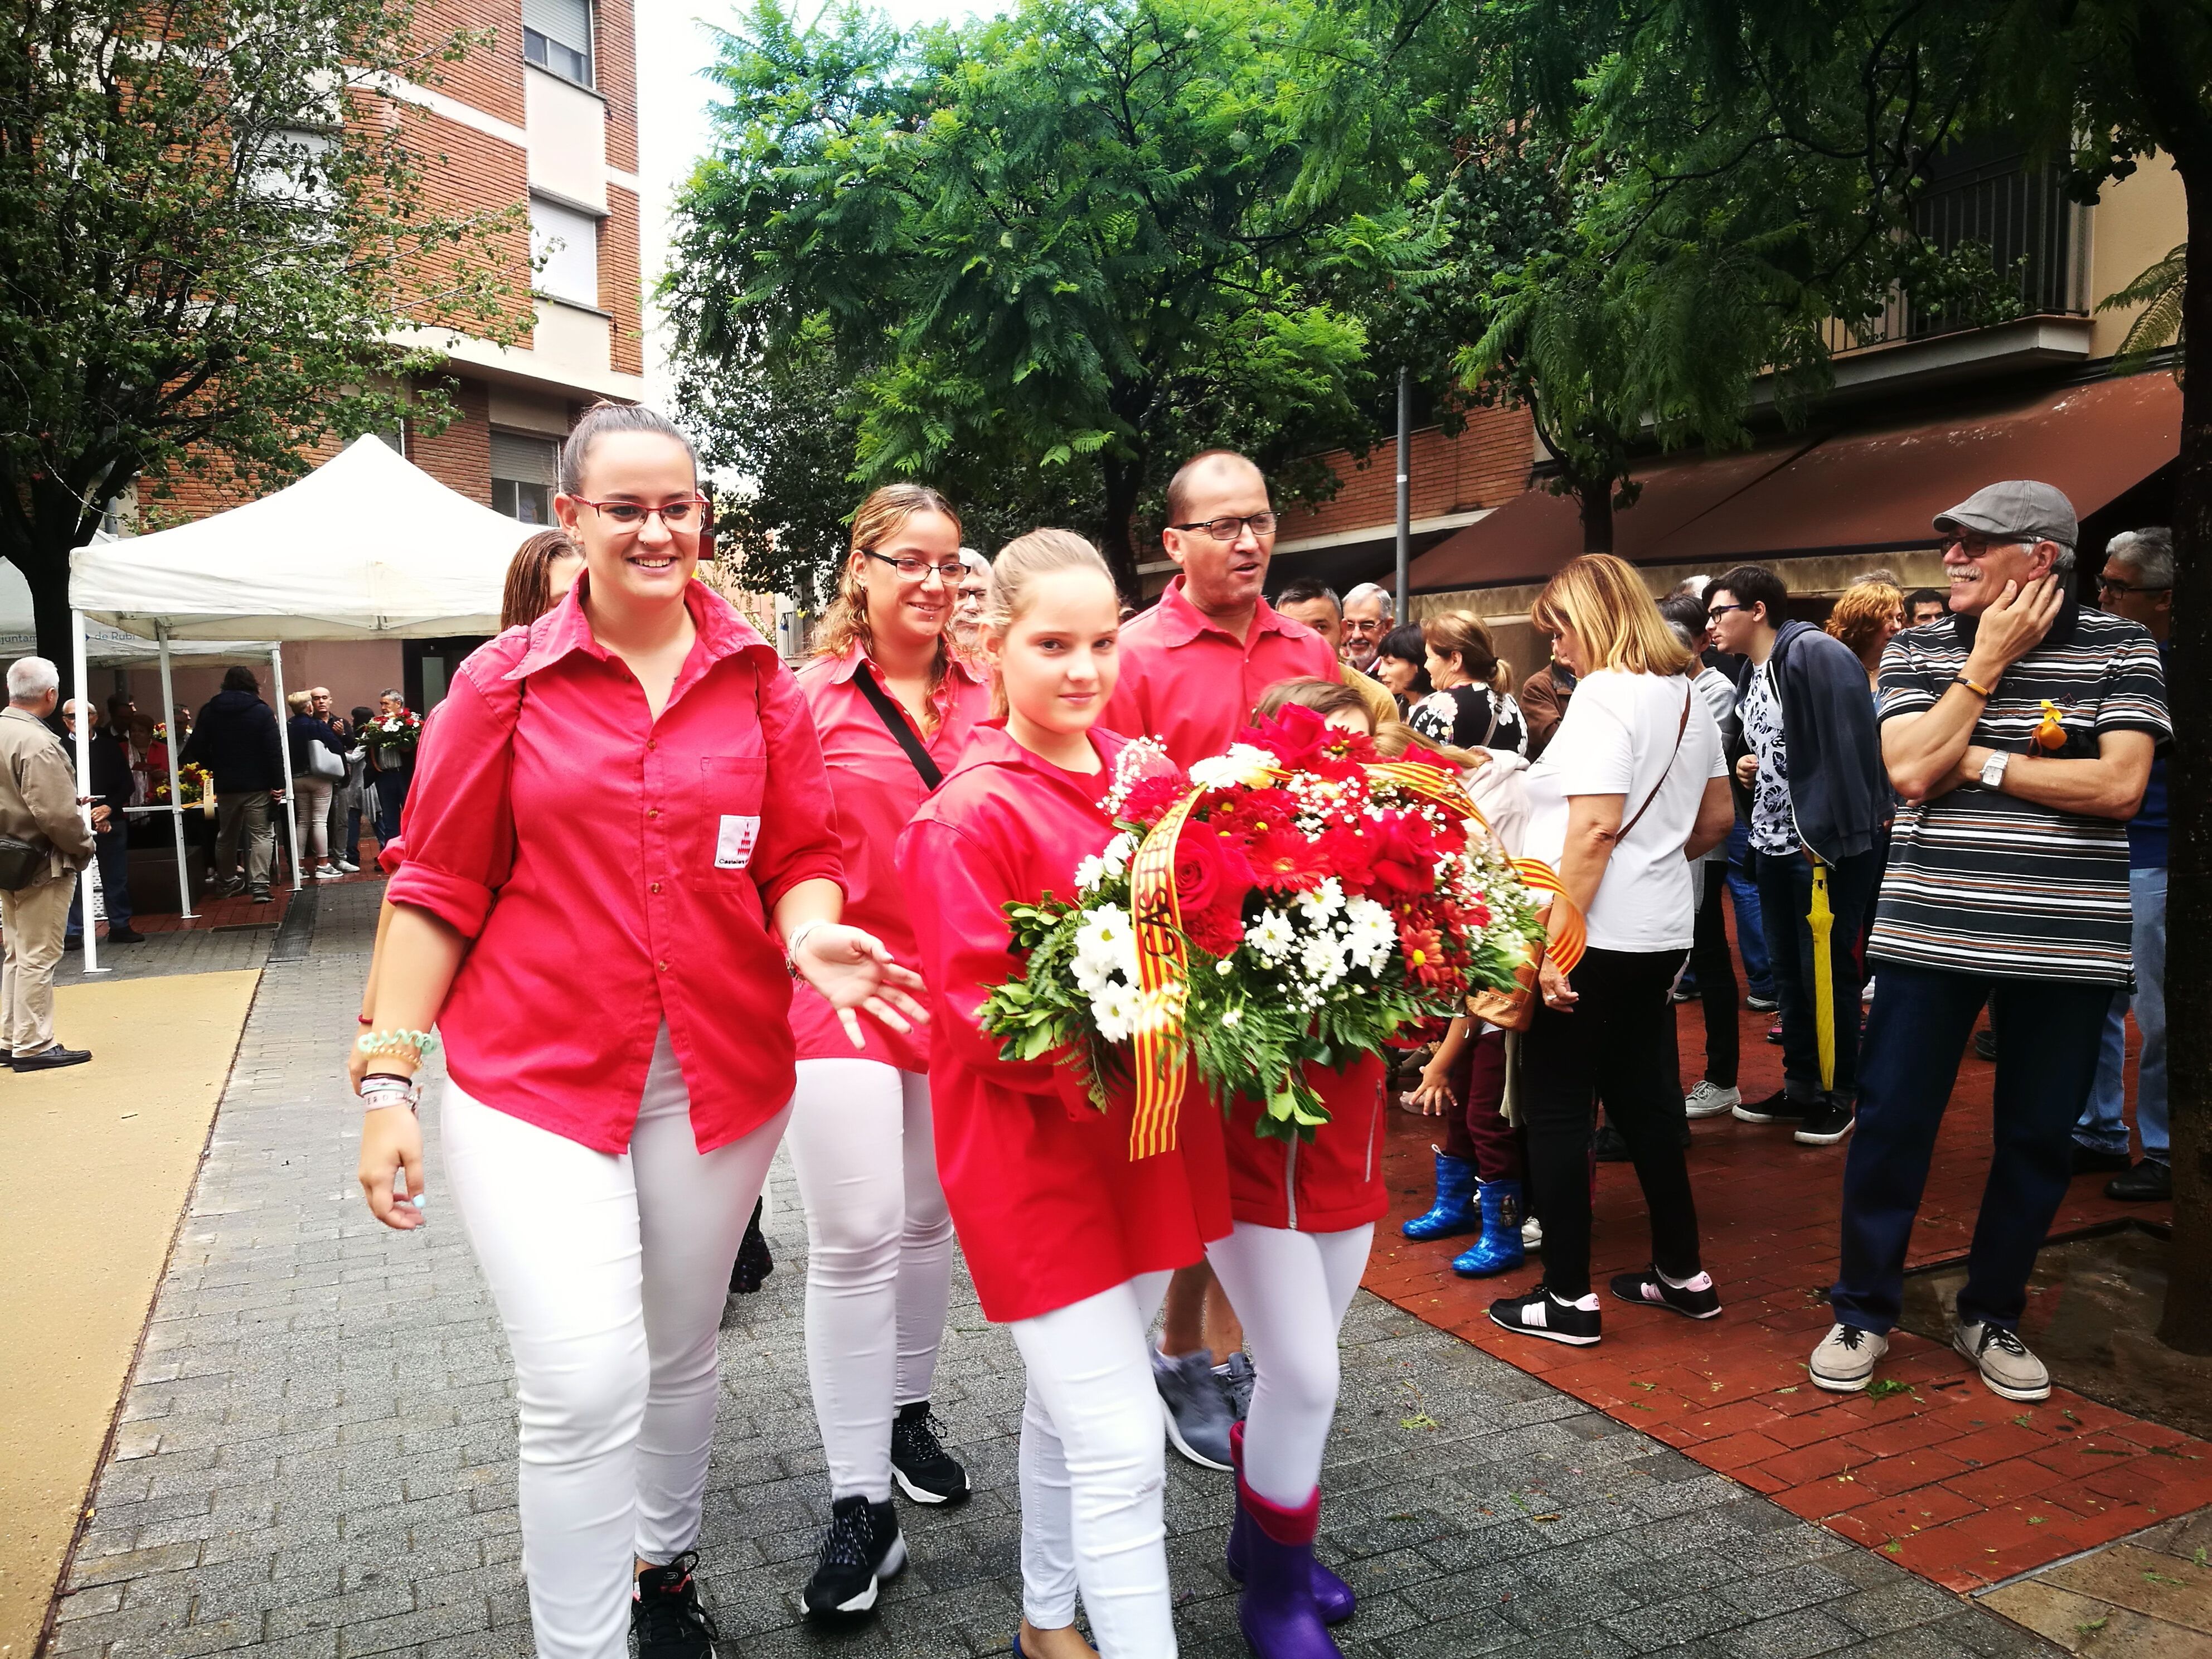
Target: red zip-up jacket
[[1333, 1182], [1047, 1204]]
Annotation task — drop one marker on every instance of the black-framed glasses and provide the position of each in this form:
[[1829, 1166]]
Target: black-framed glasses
[[682, 517], [913, 570], [2109, 589], [1715, 612], [1228, 528]]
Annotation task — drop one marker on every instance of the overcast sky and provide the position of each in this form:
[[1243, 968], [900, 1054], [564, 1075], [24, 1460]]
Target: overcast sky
[[673, 45]]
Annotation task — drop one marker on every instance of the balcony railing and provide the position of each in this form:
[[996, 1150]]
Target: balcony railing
[[2037, 243]]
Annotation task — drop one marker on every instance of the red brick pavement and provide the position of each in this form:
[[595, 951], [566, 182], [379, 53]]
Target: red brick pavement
[[1961, 1487]]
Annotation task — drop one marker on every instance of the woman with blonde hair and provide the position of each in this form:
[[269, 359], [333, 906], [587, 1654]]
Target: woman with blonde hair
[[894, 705], [1637, 786], [1472, 705], [1866, 617]]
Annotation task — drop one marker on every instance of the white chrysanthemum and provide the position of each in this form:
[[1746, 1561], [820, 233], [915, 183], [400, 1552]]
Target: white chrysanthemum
[[1105, 946], [1321, 959], [1271, 937], [1368, 935], [1322, 902], [1114, 858], [1115, 1009], [1089, 874], [1242, 765]]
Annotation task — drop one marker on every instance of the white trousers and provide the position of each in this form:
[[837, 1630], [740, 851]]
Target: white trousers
[[1292, 1289], [1093, 1471], [311, 805], [879, 1257], [610, 1273]]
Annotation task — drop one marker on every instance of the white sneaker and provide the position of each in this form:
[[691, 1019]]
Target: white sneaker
[[1710, 1100], [345, 868], [326, 873], [1532, 1234], [2003, 1360], [1844, 1361]]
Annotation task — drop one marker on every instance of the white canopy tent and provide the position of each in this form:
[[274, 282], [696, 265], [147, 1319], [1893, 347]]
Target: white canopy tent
[[366, 546]]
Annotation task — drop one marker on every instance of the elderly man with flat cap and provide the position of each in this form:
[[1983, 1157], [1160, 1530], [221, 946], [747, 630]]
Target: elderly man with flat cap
[[2020, 731]]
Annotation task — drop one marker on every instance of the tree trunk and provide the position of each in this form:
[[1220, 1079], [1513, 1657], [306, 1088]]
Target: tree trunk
[[1596, 501], [50, 612], [2187, 1324], [1125, 483]]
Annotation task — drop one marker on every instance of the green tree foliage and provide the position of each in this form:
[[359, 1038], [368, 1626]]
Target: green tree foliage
[[1034, 261], [215, 225]]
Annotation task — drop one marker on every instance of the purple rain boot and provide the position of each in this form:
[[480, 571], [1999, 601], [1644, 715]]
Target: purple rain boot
[[1277, 1612], [1331, 1593]]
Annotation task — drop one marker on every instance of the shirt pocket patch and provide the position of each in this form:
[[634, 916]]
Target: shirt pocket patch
[[730, 791]]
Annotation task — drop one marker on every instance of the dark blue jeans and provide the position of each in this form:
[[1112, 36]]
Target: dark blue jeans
[[2048, 1034], [1785, 895], [391, 797], [112, 848], [1750, 929]]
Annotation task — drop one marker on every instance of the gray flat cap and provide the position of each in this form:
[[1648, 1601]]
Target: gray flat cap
[[2018, 508]]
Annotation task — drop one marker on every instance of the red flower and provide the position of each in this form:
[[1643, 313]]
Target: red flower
[[1252, 813], [1220, 929], [1208, 872], [1294, 735], [1286, 861], [1151, 795], [1405, 854], [1425, 955], [1350, 855]]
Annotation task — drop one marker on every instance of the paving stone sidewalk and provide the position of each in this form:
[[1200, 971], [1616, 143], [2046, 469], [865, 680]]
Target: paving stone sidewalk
[[316, 1458]]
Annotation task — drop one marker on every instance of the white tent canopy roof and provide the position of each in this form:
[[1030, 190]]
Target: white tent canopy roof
[[104, 646], [366, 545]]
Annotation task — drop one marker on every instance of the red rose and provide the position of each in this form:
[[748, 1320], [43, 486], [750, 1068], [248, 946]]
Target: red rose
[[1405, 855], [1206, 875]]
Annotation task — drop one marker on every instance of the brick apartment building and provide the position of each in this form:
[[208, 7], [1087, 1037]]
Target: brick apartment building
[[543, 116], [1925, 410]]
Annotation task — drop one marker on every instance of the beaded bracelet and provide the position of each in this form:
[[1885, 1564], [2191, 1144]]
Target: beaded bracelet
[[418, 1044]]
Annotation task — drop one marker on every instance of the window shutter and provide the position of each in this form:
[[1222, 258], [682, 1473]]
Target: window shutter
[[568, 22], [522, 461]]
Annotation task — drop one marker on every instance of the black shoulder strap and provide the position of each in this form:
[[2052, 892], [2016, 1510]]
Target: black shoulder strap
[[901, 728]]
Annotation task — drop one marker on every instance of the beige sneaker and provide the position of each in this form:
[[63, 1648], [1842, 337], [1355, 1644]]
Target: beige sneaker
[[1844, 1361], [2003, 1359]]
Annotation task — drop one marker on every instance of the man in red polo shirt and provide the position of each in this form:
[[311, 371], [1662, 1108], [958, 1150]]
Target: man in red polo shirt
[[1193, 668]]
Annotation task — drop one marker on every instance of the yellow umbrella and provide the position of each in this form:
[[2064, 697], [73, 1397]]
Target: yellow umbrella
[[1822, 920]]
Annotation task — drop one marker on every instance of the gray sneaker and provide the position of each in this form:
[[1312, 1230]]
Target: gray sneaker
[[2003, 1359], [1710, 1100], [1197, 1413], [1236, 1379], [1844, 1361]]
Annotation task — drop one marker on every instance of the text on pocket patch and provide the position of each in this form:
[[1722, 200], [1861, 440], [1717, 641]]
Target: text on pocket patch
[[733, 845]]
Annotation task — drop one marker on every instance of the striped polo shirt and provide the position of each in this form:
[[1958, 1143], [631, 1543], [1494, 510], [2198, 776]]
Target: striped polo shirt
[[1983, 883]]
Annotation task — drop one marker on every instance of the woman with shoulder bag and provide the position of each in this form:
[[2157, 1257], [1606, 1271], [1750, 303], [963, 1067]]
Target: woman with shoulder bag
[[611, 969], [893, 705], [1638, 789], [318, 763]]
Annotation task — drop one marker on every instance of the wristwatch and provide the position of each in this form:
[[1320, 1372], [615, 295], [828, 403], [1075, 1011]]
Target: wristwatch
[[1993, 770]]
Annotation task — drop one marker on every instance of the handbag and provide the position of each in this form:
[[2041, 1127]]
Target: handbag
[[21, 863], [324, 761], [895, 722]]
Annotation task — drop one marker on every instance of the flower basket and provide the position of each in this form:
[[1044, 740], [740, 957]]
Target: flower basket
[[1297, 902]]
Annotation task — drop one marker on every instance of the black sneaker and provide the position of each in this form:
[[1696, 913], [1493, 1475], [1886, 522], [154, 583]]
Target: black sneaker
[[1760, 1005], [2087, 1160], [1541, 1314], [926, 1472], [1609, 1147], [2147, 1183], [664, 1614], [258, 896], [1780, 1107], [124, 936], [862, 1549], [754, 1263], [1826, 1120], [1648, 1289]]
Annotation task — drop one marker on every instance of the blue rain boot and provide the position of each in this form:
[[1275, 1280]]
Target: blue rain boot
[[1499, 1250], [1454, 1210]]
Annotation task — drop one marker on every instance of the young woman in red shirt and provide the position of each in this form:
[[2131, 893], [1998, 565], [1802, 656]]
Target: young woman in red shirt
[[620, 852], [1069, 1242], [1305, 1215], [894, 707]]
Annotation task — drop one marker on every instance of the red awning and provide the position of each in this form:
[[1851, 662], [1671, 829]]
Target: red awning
[[1529, 538], [1858, 492], [1878, 491]]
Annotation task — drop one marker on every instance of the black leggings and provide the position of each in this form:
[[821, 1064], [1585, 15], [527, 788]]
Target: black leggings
[[1616, 1045], [1714, 964]]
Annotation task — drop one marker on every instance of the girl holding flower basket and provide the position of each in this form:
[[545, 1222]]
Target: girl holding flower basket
[[1069, 1237]]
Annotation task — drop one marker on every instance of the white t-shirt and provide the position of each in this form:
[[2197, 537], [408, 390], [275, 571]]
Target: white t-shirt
[[1617, 739]]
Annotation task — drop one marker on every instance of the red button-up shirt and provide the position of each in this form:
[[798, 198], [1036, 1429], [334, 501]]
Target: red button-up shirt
[[877, 790], [614, 871], [1047, 1205], [1192, 684]]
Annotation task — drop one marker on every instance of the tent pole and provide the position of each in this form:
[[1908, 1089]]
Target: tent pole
[[88, 931], [284, 743], [176, 776]]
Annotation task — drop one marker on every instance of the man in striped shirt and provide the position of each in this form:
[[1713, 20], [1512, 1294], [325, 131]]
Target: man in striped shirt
[[2019, 730]]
